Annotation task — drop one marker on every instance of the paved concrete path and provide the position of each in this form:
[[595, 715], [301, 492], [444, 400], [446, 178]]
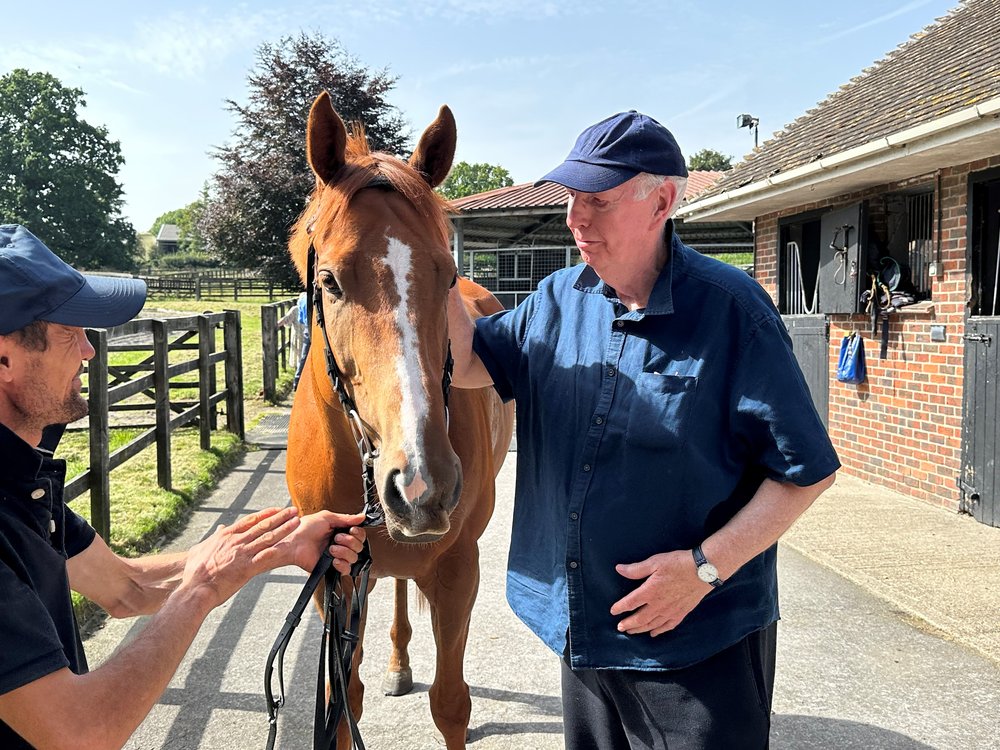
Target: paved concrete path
[[855, 670]]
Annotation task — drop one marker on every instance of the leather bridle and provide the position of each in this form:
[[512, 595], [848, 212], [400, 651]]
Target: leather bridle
[[342, 611]]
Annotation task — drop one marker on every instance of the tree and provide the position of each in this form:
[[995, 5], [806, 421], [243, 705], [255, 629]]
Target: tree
[[710, 160], [58, 173], [469, 179], [186, 219], [264, 178]]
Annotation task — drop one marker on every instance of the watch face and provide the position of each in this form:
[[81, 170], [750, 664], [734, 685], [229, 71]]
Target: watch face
[[707, 572]]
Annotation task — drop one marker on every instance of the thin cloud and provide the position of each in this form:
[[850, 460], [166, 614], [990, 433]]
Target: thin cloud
[[902, 10]]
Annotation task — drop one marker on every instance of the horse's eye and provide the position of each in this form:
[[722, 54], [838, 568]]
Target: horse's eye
[[329, 282], [454, 280]]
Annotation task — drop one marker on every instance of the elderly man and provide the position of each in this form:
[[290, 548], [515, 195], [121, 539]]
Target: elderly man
[[48, 699], [666, 439]]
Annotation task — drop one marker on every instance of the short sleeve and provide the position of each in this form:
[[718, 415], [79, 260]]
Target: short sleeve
[[774, 412], [78, 533], [499, 342]]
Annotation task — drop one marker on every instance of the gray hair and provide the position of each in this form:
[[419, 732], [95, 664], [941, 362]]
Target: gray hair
[[646, 183]]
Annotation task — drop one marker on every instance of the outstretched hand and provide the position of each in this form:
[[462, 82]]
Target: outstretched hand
[[670, 591], [219, 565]]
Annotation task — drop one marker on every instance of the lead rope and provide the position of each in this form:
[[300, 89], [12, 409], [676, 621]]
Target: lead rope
[[341, 630]]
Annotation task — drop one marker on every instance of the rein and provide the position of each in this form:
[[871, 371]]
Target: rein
[[341, 623]]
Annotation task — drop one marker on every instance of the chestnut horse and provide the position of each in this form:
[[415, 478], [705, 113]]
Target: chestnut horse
[[382, 261]]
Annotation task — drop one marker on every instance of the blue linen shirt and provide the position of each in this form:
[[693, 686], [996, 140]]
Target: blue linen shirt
[[641, 432]]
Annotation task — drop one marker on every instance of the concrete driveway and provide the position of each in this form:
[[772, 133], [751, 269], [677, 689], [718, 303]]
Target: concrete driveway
[[853, 671]]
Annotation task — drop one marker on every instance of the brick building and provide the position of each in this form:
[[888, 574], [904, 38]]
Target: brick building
[[893, 181]]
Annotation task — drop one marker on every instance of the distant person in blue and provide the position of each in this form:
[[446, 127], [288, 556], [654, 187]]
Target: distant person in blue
[[300, 316], [48, 698], [666, 440]]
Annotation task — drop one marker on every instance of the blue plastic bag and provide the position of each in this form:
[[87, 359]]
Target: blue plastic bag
[[851, 366]]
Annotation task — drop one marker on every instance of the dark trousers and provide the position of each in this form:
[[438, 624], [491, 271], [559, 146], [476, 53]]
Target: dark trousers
[[722, 703]]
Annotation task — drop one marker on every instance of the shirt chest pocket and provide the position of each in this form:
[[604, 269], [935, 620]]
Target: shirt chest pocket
[[659, 415]]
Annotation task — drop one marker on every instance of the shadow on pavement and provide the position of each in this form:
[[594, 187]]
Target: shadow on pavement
[[797, 732]]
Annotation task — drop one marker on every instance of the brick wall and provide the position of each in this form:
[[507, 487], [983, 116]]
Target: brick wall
[[903, 427]]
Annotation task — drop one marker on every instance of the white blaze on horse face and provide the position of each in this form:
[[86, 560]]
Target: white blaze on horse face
[[414, 407]]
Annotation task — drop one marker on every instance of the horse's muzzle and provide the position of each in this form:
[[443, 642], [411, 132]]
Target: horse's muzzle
[[418, 509]]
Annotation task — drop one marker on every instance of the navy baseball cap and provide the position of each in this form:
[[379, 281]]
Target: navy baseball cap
[[617, 149], [35, 284]]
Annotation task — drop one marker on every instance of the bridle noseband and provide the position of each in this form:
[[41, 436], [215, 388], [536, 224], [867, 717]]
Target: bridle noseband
[[341, 628]]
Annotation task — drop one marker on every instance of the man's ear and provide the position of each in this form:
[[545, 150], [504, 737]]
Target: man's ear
[[666, 198]]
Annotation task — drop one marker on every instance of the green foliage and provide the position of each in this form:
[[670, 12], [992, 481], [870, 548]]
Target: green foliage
[[469, 179], [186, 220], [264, 179], [182, 260], [58, 173], [711, 160]]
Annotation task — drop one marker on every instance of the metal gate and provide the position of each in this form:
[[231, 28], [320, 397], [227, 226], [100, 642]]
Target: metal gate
[[981, 420], [810, 336]]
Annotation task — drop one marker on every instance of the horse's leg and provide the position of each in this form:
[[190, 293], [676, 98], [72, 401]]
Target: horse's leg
[[398, 678], [451, 591]]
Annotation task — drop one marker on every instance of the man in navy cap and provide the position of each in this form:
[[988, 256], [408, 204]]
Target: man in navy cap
[[47, 697], [666, 439]]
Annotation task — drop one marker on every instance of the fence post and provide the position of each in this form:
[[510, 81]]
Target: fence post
[[161, 387], [197, 287], [205, 389], [234, 373], [269, 342], [100, 463]]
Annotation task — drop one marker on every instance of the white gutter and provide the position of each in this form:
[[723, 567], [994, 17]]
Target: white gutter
[[844, 163]]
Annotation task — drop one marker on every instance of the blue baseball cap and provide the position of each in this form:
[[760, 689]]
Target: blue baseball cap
[[35, 284], [617, 149]]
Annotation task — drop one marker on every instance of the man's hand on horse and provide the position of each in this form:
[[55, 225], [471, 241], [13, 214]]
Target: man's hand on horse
[[670, 591]]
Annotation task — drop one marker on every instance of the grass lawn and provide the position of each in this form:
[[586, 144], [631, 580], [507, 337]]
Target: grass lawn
[[144, 516]]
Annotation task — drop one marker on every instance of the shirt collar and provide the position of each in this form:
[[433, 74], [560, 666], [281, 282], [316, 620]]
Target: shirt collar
[[661, 298], [23, 462]]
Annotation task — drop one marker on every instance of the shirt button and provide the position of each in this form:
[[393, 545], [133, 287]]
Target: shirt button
[[586, 467], [611, 372], [574, 516], [619, 324], [573, 564], [598, 420], [37, 494]]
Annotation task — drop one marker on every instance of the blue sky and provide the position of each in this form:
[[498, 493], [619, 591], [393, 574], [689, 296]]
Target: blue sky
[[523, 77]]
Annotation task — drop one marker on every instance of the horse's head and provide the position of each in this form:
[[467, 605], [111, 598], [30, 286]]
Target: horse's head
[[383, 267]]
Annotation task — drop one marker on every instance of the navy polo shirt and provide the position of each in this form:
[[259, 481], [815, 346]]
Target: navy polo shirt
[[641, 432], [37, 534]]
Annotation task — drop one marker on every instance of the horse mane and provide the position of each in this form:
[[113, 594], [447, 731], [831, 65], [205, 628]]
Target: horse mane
[[361, 168]]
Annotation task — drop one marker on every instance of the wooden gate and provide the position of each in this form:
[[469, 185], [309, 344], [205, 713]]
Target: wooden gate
[[810, 336], [981, 420]]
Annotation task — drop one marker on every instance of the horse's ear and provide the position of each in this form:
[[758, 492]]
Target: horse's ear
[[326, 139], [436, 148]]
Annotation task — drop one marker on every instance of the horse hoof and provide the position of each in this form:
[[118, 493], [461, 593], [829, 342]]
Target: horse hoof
[[397, 683]]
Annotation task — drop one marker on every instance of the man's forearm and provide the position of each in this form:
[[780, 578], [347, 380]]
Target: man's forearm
[[760, 523], [125, 587], [131, 682]]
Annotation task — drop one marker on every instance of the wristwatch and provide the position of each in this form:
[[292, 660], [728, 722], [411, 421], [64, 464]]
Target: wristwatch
[[706, 571]]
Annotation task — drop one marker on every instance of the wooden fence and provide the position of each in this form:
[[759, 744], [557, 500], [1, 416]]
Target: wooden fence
[[112, 388], [281, 344], [214, 285]]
